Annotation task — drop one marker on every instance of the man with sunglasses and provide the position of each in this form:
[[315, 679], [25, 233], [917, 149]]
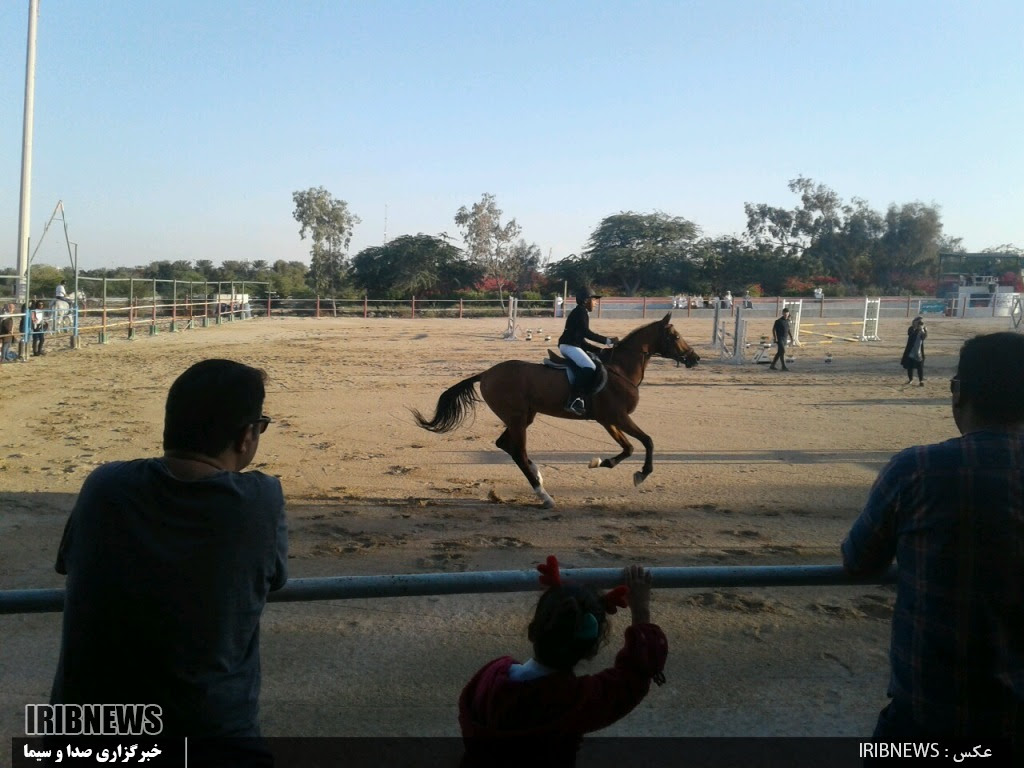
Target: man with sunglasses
[[952, 515], [169, 561]]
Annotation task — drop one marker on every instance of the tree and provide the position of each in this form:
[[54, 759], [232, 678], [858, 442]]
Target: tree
[[850, 242], [289, 279], [574, 270], [634, 250], [488, 242], [413, 265], [794, 232], [909, 246], [524, 264], [329, 224]]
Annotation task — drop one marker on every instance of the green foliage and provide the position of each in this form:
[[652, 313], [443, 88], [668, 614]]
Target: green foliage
[[329, 225], [634, 251], [43, 280], [489, 244], [849, 242], [574, 270], [414, 265]]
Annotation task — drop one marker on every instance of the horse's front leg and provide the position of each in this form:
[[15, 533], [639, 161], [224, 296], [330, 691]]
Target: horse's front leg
[[630, 428], [618, 437]]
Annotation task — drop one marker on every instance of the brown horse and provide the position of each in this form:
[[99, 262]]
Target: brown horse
[[517, 391]]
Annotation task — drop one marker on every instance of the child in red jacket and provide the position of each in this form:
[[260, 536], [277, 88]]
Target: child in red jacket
[[535, 713]]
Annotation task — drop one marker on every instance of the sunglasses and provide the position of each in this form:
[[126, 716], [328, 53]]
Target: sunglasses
[[263, 422]]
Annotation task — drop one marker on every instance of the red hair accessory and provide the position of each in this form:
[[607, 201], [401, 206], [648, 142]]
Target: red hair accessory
[[549, 574], [616, 598]]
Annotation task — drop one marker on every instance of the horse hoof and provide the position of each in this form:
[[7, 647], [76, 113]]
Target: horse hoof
[[595, 463], [638, 477], [549, 503]]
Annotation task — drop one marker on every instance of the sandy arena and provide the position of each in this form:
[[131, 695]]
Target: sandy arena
[[751, 467]]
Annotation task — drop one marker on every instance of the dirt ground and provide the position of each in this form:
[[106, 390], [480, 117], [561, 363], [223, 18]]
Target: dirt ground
[[752, 467]]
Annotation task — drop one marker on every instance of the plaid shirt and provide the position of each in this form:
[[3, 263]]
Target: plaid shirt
[[952, 514]]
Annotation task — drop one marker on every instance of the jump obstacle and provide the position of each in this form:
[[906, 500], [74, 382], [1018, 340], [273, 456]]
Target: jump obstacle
[[513, 317], [868, 324], [731, 345]]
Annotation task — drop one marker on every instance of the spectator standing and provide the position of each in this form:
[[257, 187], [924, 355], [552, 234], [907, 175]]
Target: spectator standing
[[536, 712], [39, 326], [781, 334], [952, 515], [169, 561], [7, 335], [913, 353]]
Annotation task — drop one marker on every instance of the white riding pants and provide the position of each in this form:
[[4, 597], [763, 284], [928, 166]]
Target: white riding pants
[[577, 355]]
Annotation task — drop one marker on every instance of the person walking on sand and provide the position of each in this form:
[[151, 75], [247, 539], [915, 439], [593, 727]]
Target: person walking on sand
[[781, 332], [913, 353], [536, 712]]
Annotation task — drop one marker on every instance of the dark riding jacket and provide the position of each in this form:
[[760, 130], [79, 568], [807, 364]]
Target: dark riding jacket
[[577, 331], [782, 332]]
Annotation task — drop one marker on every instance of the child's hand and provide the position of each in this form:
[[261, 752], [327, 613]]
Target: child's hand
[[638, 579]]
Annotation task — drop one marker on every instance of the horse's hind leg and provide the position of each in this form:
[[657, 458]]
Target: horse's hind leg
[[513, 442]]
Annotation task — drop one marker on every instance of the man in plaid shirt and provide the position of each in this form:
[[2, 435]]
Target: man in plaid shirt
[[952, 514]]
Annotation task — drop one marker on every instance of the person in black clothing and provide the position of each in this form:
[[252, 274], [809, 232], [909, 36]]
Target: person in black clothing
[[39, 328], [913, 354], [573, 343], [781, 333]]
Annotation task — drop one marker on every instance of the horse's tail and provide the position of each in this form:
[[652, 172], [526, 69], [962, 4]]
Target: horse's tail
[[453, 406]]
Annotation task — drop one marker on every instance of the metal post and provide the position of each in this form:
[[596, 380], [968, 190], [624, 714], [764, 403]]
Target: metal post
[[25, 202], [131, 307], [76, 341], [103, 321], [152, 321]]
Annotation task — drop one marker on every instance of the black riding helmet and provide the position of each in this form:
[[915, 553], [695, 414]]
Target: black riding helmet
[[585, 293]]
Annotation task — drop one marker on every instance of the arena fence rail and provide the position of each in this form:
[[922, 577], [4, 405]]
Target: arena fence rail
[[477, 582]]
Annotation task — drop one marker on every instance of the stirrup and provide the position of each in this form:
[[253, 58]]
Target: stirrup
[[577, 407]]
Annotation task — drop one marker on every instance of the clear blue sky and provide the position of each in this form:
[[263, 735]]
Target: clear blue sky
[[178, 129]]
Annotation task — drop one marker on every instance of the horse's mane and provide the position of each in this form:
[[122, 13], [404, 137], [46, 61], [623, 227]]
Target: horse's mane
[[637, 331], [628, 340]]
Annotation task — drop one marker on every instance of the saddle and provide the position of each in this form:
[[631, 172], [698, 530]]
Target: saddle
[[590, 382]]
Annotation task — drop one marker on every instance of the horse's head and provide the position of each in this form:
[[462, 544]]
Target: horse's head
[[671, 345]]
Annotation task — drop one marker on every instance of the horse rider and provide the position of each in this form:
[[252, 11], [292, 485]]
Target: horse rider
[[61, 294], [573, 343]]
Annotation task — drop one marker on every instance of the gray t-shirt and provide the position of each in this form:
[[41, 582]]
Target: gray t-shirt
[[166, 582]]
